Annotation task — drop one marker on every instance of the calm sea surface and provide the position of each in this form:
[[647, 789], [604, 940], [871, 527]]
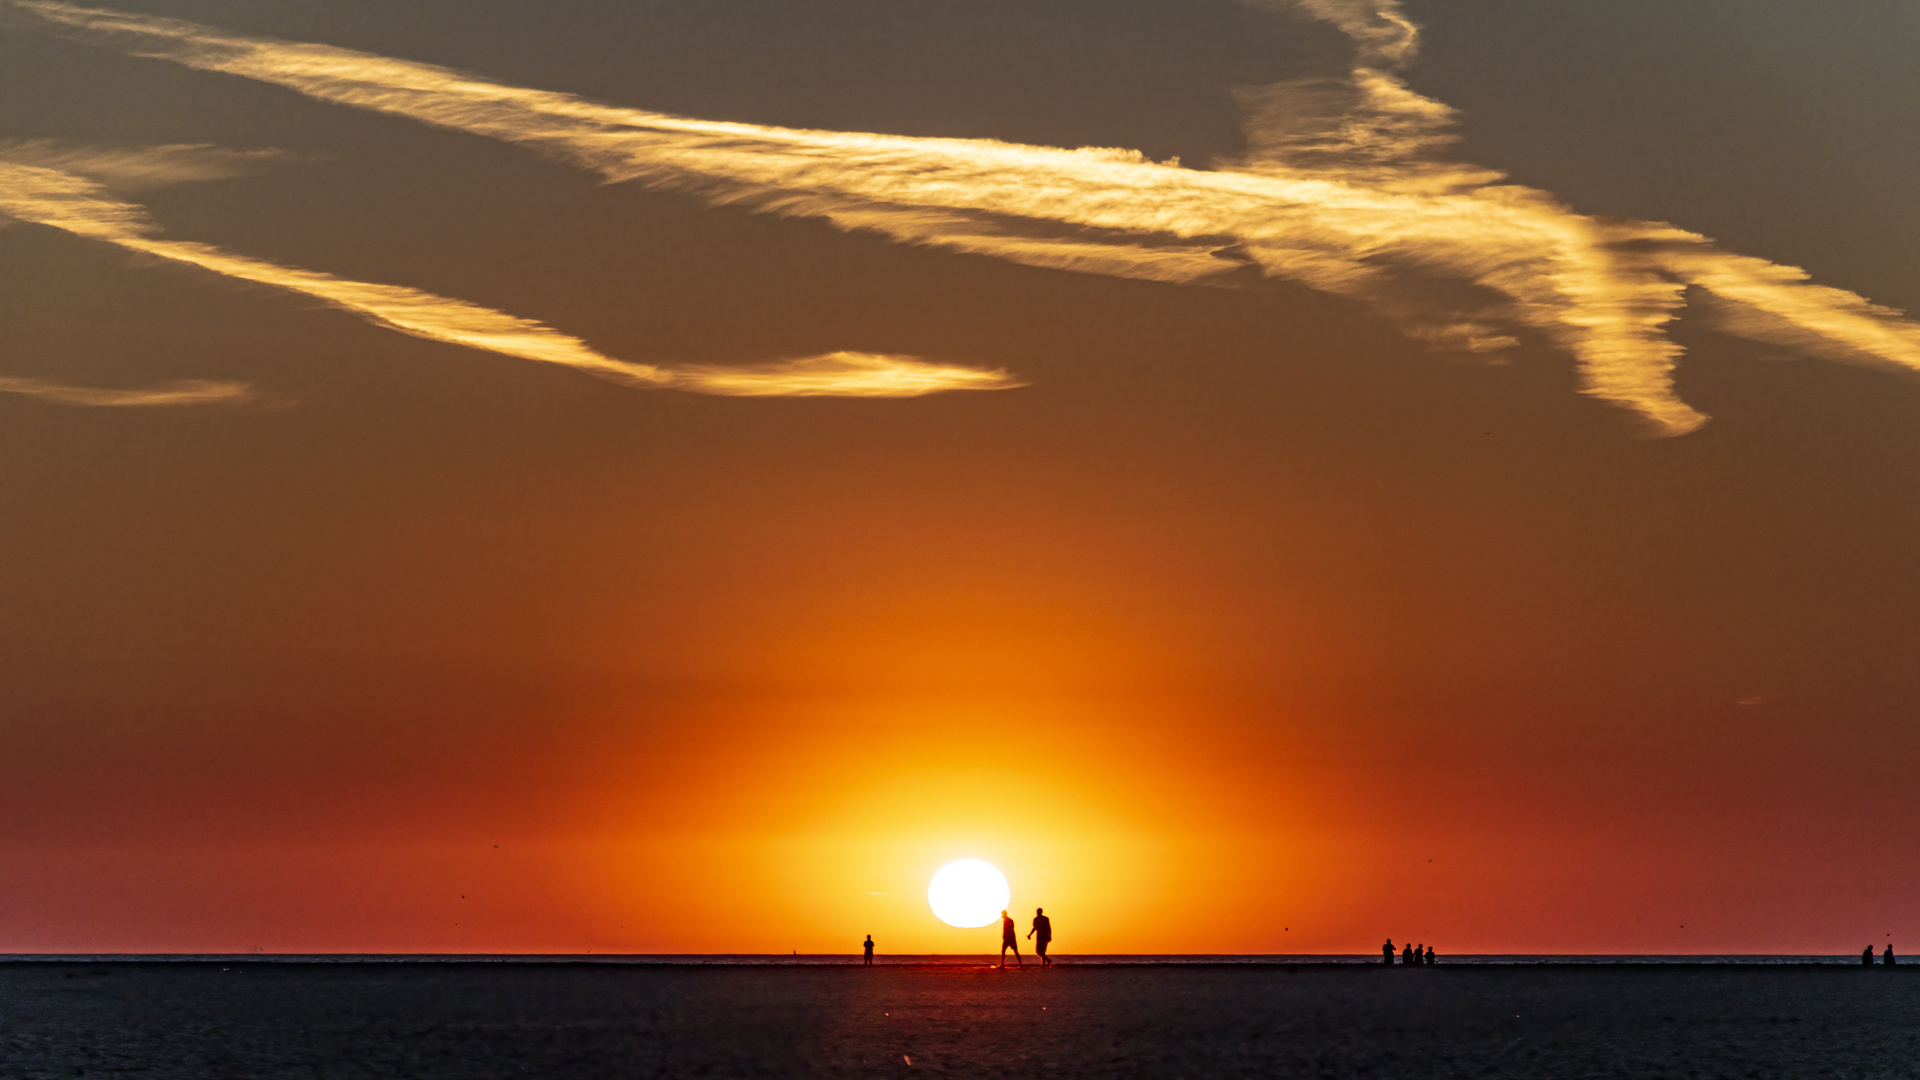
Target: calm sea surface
[[593, 1017], [942, 960]]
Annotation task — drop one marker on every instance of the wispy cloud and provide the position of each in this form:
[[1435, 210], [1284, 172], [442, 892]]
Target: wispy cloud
[[183, 392], [1345, 188], [136, 168], [1603, 287], [843, 374], [1380, 28], [46, 196], [80, 206]]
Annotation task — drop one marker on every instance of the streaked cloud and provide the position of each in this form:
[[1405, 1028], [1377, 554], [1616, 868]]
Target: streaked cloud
[[1381, 29], [843, 374], [132, 169], [183, 392], [46, 196], [1604, 288], [80, 206], [1345, 188]]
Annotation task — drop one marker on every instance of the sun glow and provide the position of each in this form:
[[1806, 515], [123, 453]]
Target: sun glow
[[968, 893]]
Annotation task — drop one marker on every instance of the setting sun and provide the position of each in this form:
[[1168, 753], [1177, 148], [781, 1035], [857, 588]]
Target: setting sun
[[968, 893]]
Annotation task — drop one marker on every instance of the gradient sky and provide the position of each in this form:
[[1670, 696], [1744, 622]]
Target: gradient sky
[[501, 522]]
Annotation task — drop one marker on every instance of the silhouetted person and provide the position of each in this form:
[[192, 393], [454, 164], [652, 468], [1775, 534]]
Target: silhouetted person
[[1867, 957], [869, 943], [1429, 954], [1041, 934], [1386, 953], [1008, 941], [1406, 955], [1888, 958]]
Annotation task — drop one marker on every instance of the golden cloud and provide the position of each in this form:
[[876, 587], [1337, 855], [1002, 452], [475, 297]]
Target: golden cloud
[[1344, 191]]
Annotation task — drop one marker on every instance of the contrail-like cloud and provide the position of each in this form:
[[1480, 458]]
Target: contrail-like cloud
[[840, 374], [132, 169], [1381, 29], [183, 392], [1344, 189], [1626, 284], [78, 205]]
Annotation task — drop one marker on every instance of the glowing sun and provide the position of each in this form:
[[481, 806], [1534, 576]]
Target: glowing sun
[[968, 893]]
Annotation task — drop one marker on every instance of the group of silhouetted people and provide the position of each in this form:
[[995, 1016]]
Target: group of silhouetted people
[[1411, 955], [1042, 935], [1866, 958]]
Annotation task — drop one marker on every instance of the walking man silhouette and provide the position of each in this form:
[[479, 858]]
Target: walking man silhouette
[[1386, 953], [869, 960], [1042, 933], [1008, 941]]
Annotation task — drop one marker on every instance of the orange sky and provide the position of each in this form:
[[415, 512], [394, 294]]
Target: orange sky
[[1249, 624]]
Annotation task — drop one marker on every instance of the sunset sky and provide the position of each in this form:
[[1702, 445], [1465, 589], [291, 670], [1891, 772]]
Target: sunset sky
[[667, 476]]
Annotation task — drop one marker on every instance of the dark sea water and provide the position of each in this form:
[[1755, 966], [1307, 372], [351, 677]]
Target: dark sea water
[[930, 960], [1150, 1018]]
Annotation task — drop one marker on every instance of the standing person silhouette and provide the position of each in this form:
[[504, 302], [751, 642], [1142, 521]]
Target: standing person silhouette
[[1386, 953], [1042, 933], [869, 943], [1406, 955], [1866, 958], [1429, 954], [1008, 941], [1888, 958]]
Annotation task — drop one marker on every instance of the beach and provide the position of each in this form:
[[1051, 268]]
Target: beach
[[456, 1019]]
